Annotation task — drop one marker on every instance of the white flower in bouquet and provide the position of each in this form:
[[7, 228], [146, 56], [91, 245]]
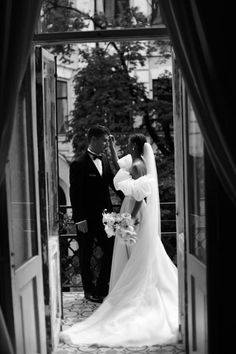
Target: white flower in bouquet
[[126, 235], [109, 220], [121, 226], [109, 231]]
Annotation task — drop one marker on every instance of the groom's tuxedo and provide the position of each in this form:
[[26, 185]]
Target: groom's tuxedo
[[89, 191], [89, 194]]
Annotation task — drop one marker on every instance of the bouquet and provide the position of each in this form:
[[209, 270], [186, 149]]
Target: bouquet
[[121, 226]]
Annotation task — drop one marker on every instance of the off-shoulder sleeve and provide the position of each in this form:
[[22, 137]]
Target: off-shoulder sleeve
[[137, 188], [122, 175], [125, 162]]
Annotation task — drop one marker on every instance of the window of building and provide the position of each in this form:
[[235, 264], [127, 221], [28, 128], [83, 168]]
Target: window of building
[[62, 106], [155, 89], [120, 7]]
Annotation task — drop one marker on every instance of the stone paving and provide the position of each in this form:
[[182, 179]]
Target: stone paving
[[76, 308]]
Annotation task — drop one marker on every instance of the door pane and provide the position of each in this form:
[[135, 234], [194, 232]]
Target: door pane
[[62, 106], [22, 204], [61, 89], [196, 182]]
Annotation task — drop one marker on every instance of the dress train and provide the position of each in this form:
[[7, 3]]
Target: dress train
[[142, 305]]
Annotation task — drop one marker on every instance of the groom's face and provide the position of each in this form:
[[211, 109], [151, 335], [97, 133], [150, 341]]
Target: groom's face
[[100, 143]]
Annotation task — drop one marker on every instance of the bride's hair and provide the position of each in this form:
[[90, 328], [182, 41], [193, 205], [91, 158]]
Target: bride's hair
[[138, 140]]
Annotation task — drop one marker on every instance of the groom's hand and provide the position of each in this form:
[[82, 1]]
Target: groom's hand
[[82, 226], [111, 139]]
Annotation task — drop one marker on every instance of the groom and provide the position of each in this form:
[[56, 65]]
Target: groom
[[90, 178]]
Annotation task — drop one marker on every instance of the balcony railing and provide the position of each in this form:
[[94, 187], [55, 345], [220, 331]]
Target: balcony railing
[[69, 247]]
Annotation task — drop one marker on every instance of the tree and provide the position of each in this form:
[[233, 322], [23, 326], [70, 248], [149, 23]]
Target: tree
[[108, 92], [64, 16], [106, 89]]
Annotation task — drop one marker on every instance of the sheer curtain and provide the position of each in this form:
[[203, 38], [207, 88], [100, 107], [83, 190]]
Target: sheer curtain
[[202, 35], [18, 20]]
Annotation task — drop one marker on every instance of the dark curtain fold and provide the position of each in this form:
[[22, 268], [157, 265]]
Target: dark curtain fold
[[202, 36], [16, 32], [18, 20]]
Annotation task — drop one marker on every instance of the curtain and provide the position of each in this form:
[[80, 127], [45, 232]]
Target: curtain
[[16, 32], [18, 20], [202, 35], [5, 341]]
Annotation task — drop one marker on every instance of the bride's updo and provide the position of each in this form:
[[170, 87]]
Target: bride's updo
[[137, 141]]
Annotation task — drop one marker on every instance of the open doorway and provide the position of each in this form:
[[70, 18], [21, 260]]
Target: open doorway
[[180, 132], [151, 76], [146, 67]]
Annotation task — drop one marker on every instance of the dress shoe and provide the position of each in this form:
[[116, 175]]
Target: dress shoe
[[99, 298], [93, 298]]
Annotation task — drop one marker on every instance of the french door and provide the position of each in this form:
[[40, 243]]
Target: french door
[[195, 202], [191, 219], [180, 200], [24, 229], [48, 181]]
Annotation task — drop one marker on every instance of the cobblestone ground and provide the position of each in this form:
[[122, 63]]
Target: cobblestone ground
[[76, 308]]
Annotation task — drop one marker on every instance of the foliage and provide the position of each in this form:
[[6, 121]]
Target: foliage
[[105, 94], [64, 16], [164, 126], [106, 89], [61, 16]]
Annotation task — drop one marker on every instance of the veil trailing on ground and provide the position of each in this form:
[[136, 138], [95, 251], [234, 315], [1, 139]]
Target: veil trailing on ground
[[153, 200]]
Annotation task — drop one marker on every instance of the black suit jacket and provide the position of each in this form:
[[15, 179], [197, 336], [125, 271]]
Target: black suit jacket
[[89, 191]]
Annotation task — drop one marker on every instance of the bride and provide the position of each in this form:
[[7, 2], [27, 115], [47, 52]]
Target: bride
[[142, 305]]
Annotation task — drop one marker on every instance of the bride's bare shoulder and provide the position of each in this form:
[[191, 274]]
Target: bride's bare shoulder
[[138, 169]]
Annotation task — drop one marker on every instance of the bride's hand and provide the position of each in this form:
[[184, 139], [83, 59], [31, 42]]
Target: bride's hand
[[135, 220]]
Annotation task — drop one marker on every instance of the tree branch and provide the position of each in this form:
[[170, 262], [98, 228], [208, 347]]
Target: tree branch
[[70, 8]]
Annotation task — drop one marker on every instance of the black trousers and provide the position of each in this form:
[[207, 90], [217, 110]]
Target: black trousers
[[86, 244]]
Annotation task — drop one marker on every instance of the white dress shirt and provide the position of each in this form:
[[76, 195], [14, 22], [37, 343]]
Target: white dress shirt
[[97, 163]]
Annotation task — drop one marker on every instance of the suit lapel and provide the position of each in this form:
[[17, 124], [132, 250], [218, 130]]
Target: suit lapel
[[104, 167], [91, 165]]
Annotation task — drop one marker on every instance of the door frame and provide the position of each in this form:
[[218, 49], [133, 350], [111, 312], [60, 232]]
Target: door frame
[[160, 32], [178, 92]]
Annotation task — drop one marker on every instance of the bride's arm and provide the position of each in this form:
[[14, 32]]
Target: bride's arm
[[136, 208], [137, 171], [113, 152]]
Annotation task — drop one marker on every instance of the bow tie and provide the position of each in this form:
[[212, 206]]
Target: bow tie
[[95, 156]]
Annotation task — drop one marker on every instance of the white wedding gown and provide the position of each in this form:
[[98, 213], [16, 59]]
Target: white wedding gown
[[142, 305]]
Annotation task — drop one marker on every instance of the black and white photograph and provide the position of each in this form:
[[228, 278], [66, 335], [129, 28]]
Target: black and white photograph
[[117, 177]]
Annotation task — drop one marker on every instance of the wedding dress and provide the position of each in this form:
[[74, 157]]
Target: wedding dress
[[142, 305]]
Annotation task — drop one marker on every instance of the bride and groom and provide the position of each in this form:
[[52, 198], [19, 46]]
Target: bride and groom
[[141, 307]]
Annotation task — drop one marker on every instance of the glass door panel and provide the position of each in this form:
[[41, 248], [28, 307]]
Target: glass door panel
[[196, 184], [23, 205]]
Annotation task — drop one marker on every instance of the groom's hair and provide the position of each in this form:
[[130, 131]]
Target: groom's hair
[[97, 131]]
